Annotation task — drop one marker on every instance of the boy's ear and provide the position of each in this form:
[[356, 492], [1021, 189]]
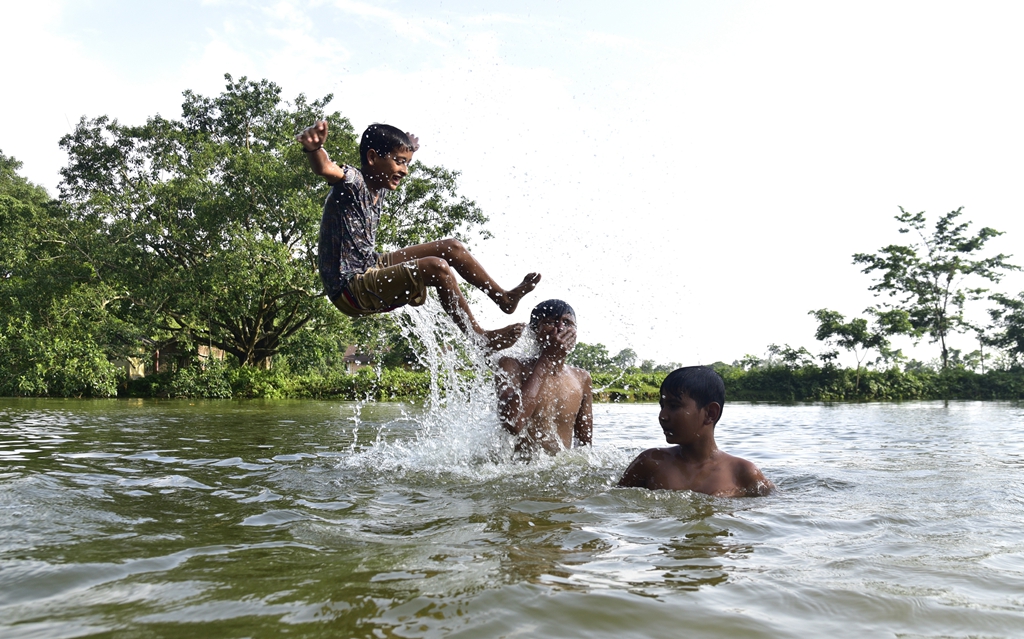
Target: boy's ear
[[714, 411], [371, 156]]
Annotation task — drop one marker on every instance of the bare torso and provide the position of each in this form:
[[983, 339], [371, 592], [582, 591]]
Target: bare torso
[[721, 474], [560, 409]]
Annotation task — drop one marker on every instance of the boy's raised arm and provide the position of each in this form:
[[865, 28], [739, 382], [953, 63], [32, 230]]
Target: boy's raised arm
[[312, 141]]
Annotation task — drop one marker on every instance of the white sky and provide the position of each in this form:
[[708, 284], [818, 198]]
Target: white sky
[[692, 177]]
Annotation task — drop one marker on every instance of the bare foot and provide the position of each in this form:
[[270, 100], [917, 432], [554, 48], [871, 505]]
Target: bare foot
[[501, 338], [510, 299]]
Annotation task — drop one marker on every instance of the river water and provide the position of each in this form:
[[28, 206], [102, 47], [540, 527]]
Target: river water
[[132, 518]]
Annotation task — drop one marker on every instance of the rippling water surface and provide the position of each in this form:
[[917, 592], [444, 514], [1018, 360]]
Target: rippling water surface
[[129, 518]]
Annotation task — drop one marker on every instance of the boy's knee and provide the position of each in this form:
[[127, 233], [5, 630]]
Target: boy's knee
[[434, 267], [452, 246]]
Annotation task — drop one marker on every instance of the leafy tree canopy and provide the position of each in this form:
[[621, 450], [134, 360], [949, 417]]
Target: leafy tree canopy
[[1008, 323], [591, 357], [928, 278], [53, 329]]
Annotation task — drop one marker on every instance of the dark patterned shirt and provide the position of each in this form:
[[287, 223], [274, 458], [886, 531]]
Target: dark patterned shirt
[[348, 231]]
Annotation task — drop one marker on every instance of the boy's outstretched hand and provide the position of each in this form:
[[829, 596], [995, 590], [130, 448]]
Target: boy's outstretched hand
[[312, 138]]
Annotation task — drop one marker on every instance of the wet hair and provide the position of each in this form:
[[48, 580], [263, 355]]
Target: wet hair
[[549, 308], [384, 139], [701, 383]]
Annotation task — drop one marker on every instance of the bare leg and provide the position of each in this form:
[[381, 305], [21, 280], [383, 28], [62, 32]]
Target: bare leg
[[454, 252], [438, 274]]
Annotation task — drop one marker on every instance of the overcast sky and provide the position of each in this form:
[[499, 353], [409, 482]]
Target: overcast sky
[[693, 177]]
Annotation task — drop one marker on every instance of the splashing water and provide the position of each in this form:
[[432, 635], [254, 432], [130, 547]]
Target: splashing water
[[458, 429]]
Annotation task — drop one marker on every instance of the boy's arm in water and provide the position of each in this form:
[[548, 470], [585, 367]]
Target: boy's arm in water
[[510, 395], [583, 430], [312, 140]]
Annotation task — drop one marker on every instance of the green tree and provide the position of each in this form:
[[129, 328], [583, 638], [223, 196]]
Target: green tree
[[624, 359], [22, 211], [749, 362], [57, 336], [788, 357], [591, 357], [206, 227], [857, 336], [1008, 326], [928, 278]]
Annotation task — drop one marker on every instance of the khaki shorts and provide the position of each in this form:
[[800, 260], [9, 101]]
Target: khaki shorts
[[382, 288]]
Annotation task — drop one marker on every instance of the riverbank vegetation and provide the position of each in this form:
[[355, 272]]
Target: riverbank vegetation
[[178, 260], [774, 383]]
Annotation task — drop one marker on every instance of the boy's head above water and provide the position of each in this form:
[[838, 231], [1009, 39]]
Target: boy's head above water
[[700, 383], [385, 152], [691, 405], [554, 324], [548, 310]]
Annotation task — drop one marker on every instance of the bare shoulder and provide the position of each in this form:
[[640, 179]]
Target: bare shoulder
[[749, 477], [582, 376], [509, 375], [514, 370], [642, 472]]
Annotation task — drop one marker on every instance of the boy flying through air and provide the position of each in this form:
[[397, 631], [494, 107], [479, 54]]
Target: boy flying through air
[[360, 281], [544, 402], [691, 403]]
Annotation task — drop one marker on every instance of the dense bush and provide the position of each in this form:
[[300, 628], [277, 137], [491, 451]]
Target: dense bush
[[811, 383], [41, 361]]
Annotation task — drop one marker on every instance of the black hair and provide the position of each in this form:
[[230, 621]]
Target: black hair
[[384, 139], [701, 383], [550, 308]]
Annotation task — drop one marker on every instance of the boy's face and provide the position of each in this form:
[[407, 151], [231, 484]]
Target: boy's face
[[387, 171], [680, 418], [549, 327]]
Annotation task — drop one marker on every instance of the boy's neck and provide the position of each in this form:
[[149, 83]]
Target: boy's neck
[[553, 364], [699, 450], [368, 177]]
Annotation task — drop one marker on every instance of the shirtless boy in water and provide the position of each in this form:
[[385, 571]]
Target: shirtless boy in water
[[545, 402], [358, 280], [691, 404]]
